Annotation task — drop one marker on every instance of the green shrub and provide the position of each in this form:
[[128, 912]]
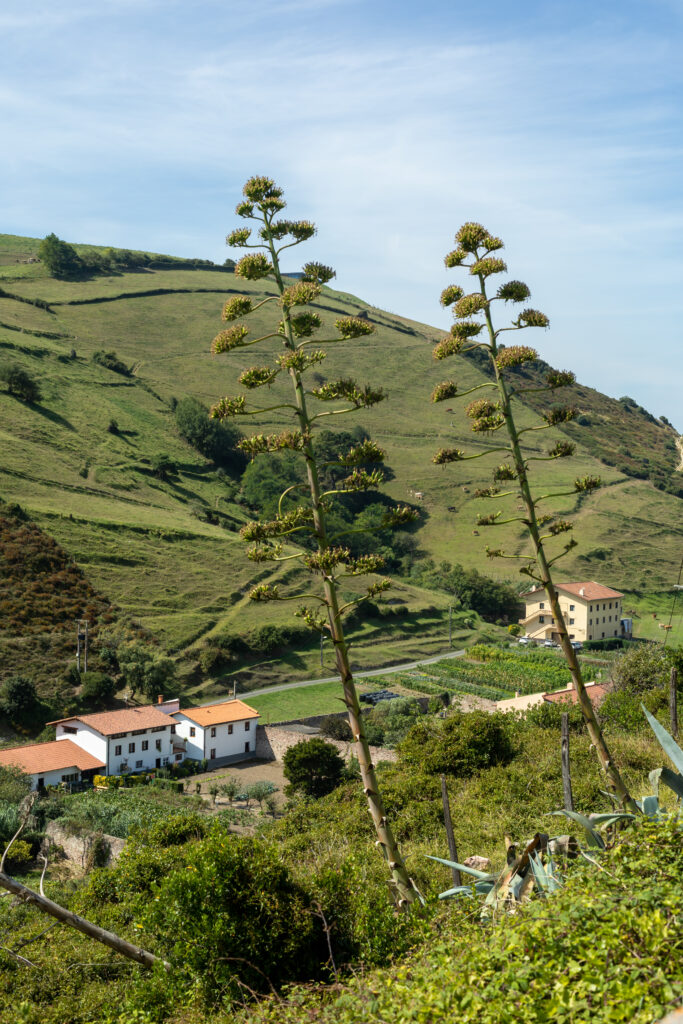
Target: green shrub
[[313, 767], [336, 728], [111, 361], [215, 440], [459, 745], [97, 688], [20, 383]]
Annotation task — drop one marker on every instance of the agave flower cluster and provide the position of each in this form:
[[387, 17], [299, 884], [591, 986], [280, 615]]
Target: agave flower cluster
[[295, 335]]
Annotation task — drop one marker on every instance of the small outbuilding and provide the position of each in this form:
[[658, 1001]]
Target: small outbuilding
[[219, 733], [50, 764]]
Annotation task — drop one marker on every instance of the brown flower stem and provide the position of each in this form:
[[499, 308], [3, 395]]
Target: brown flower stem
[[614, 779]]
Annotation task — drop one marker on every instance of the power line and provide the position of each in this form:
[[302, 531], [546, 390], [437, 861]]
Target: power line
[[677, 590]]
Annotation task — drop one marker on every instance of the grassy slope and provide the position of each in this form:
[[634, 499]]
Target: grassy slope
[[136, 537]]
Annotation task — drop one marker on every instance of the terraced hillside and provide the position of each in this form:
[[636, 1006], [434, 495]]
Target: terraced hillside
[[164, 546]]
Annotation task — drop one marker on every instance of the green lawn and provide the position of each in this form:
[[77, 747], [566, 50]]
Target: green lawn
[[321, 699]]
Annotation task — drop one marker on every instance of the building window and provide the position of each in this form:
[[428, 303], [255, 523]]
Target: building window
[[212, 753], [41, 782], [123, 767], [145, 744], [571, 622], [542, 604], [173, 730], [118, 735], [158, 744], [610, 604], [138, 732], [193, 731], [246, 726], [230, 729], [571, 607], [117, 750], [131, 748], [213, 730], [179, 757], [161, 728], [590, 622], [70, 778], [69, 729], [541, 618], [165, 760], [138, 764]]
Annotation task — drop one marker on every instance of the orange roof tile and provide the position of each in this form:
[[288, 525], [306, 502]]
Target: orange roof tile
[[594, 690], [125, 720], [56, 755], [217, 714], [592, 591]]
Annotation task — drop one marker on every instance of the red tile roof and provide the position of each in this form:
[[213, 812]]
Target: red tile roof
[[217, 714], [595, 691], [37, 758], [592, 591], [126, 720]]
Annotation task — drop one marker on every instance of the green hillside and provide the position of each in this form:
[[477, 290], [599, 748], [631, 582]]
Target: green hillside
[[164, 547]]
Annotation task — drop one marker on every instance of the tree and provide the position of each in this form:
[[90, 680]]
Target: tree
[[19, 701], [313, 767], [216, 441], [14, 784], [143, 669], [646, 667], [20, 383], [230, 789], [330, 561], [97, 688], [472, 314], [60, 258], [460, 745]]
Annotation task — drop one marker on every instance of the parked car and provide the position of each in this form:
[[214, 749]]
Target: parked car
[[550, 643], [524, 640], [577, 645]]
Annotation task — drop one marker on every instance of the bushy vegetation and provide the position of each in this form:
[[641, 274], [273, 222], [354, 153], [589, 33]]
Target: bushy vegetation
[[313, 768], [216, 441], [20, 382]]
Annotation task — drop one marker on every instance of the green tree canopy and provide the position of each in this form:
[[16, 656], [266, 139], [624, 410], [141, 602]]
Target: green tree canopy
[[20, 383], [313, 767], [60, 258], [215, 440], [19, 701]]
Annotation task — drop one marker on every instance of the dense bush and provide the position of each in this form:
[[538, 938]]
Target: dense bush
[[390, 720], [60, 258], [312, 767], [111, 362], [19, 701], [213, 439], [20, 383], [336, 728], [459, 745], [645, 667], [491, 599], [97, 688]]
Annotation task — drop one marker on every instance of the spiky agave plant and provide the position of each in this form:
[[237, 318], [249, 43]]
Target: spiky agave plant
[[328, 561], [477, 251]]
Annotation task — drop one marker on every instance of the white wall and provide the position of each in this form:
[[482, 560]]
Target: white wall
[[225, 743], [148, 757], [195, 744], [86, 737], [53, 778]]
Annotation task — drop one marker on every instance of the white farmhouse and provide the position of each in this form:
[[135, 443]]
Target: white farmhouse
[[130, 740], [219, 733], [50, 764]]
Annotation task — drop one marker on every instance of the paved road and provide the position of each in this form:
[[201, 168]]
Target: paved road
[[406, 667]]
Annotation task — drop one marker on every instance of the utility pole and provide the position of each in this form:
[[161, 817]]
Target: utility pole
[[450, 625], [82, 634]]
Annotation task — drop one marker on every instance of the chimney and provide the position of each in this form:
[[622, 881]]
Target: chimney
[[582, 592], [160, 698]]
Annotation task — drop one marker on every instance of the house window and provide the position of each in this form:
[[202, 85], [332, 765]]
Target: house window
[[541, 618], [610, 604], [246, 726], [193, 731], [145, 744], [165, 760], [138, 764], [161, 728], [212, 753], [117, 750], [213, 730], [123, 766], [230, 729], [41, 782], [131, 748], [173, 730], [179, 757], [571, 622], [542, 604], [590, 622], [571, 607], [118, 735], [69, 729], [70, 778], [158, 744], [138, 732]]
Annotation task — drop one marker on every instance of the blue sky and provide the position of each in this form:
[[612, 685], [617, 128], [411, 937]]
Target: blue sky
[[135, 123]]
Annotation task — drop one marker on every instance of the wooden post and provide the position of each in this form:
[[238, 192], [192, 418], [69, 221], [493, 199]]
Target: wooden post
[[452, 848], [673, 704], [566, 771]]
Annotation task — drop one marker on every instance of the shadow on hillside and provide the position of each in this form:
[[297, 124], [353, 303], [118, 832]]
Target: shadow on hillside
[[54, 417]]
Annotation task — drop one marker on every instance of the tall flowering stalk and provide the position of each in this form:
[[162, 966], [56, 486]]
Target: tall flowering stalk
[[475, 250], [326, 559]]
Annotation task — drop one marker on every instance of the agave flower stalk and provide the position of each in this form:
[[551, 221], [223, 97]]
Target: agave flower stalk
[[328, 562], [476, 250]]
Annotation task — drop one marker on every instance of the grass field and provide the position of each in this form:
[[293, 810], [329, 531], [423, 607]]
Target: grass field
[[320, 699], [139, 538]]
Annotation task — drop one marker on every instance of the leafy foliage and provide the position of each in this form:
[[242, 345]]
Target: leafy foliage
[[215, 440], [313, 767], [460, 745], [20, 382]]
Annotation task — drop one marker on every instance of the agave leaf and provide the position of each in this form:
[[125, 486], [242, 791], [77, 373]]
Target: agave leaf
[[671, 779], [594, 840], [482, 875], [545, 880], [610, 796], [480, 889], [667, 742], [651, 806], [609, 819]]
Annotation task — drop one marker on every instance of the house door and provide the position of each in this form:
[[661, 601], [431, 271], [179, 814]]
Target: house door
[[212, 753], [158, 762], [246, 748]]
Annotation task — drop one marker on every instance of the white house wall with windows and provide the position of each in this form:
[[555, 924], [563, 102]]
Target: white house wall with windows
[[218, 732], [130, 740], [52, 763]]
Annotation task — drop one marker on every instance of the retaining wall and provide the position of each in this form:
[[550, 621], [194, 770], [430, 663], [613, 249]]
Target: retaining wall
[[273, 742], [77, 845]]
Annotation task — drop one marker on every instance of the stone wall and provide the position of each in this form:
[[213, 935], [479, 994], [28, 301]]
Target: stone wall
[[273, 741], [77, 845]]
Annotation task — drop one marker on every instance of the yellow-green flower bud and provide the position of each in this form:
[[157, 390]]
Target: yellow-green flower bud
[[254, 266]]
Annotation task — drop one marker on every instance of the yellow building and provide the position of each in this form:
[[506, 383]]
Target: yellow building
[[591, 612]]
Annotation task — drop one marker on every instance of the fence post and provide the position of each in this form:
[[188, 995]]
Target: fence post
[[566, 771], [673, 704], [452, 848]]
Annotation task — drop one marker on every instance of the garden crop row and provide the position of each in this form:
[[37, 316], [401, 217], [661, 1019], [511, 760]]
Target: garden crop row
[[514, 676]]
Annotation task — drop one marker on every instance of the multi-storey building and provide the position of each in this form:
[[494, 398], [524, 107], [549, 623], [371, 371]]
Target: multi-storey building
[[219, 733], [591, 611]]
